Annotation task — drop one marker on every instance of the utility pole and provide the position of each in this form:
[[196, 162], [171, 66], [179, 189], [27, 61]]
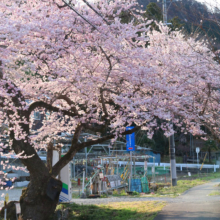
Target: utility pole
[[172, 160], [171, 138], [165, 12], [85, 139]]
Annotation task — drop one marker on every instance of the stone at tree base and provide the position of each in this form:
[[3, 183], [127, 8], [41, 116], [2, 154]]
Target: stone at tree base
[[11, 212], [61, 214]]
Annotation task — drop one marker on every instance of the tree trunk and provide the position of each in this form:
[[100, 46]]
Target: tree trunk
[[39, 200]]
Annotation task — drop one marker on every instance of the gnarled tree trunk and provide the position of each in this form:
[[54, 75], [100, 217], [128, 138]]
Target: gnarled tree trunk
[[39, 200]]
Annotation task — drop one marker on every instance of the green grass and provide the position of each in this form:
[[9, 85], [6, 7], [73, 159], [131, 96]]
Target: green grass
[[183, 185], [75, 195], [215, 193], [146, 210], [124, 193]]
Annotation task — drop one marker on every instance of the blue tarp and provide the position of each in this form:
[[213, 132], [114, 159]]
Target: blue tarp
[[136, 185]]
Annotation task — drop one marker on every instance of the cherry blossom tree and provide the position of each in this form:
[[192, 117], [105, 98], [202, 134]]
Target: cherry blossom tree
[[84, 69]]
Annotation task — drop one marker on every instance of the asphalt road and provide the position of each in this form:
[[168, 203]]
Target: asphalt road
[[195, 204]]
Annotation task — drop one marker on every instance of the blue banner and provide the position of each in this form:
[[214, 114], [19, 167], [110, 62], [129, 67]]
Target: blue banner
[[130, 139]]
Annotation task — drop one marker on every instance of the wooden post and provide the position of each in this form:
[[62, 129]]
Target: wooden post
[[91, 185], [99, 187]]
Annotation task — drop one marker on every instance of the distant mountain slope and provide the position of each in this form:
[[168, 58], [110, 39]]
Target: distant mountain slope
[[191, 13], [189, 10]]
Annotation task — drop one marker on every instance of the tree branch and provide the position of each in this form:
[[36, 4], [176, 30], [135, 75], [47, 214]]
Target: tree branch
[[103, 103], [69, 101], [75, 147], [34, 164], [69, 155], [206, 102], [49, 156], [109, 90], [110, 64], [95, 128], [40, 104]]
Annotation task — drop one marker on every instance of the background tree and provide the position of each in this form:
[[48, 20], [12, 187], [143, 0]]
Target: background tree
[[176, 24], [210, 145], [190, 13], [154, 12]]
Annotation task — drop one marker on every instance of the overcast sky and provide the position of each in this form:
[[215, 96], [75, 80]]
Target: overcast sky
[[215, 3]]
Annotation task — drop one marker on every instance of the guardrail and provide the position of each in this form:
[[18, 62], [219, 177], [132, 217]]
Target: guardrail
[[128, 162], [181, 165], [164, 165], [136, 163]]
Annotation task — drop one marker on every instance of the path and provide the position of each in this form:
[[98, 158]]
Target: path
[[99, 201], [194, 204]]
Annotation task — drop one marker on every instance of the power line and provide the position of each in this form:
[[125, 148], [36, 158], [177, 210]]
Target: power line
[[71, 7], [96, 11]]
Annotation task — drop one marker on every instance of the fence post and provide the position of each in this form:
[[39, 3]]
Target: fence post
[[83, 183], [100, 187], [91, 185]]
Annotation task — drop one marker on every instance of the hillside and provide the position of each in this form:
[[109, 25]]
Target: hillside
[[191, 13]]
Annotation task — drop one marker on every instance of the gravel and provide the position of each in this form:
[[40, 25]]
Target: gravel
[[98, 201]]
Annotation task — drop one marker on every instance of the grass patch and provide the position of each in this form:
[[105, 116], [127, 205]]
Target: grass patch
[[215, 193], [124, 193], [146, 210], [183, 185], [75, 195]]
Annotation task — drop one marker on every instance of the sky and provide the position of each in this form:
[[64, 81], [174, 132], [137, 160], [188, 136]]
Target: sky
[[211, 2]]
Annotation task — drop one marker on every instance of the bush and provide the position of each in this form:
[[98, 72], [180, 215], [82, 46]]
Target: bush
[[135, 193], [115, 192], [123, 193], [104, 195]]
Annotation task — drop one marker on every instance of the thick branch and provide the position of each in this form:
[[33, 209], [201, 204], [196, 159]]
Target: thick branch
[[75, 147], [60, 6], [103, 103], [109, 90], [206, 102], [69, 155], [110, 64], [69, 101], [49, 107], [49, 156], [94, 128]]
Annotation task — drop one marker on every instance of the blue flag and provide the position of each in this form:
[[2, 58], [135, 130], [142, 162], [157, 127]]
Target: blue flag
[[130, 139]]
